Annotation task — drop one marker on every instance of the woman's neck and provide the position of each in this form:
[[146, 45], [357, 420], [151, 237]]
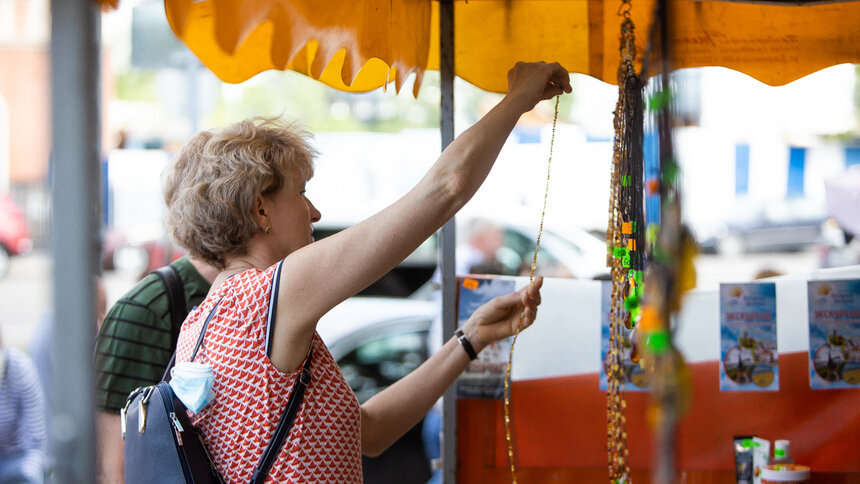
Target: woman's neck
[[231, 268]]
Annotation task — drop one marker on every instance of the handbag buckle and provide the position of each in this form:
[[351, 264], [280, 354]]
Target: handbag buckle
[[305, 377], [141, 415]]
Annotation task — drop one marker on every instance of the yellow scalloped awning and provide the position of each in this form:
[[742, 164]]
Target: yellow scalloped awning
[[364, 44]]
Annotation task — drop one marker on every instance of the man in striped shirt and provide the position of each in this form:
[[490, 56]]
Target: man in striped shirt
[[135, 344]]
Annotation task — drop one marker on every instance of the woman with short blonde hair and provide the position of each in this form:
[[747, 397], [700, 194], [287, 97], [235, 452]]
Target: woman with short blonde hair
[[217, 176], [236, 198]]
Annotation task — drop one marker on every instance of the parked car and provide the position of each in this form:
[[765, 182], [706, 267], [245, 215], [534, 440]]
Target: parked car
[[14, 233], [784, 226], [567, 252], [403, 280], [137, 253], [376, 341], [837, 248]]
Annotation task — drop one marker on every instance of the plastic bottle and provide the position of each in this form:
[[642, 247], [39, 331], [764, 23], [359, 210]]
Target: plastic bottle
[[781, 452]]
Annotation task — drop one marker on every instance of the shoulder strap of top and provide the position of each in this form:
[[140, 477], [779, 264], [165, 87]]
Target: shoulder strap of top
[[175, 298], [273, 307]]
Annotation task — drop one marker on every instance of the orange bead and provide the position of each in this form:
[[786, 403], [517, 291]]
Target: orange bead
[[649, 321]]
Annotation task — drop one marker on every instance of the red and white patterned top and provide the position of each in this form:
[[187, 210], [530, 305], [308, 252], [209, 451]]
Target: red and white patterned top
[[324, 444]]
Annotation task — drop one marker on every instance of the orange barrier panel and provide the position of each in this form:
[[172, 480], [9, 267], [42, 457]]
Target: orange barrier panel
[[560, 429]]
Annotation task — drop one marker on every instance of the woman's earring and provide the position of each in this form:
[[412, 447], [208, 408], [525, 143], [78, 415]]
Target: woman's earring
[[268, 229]]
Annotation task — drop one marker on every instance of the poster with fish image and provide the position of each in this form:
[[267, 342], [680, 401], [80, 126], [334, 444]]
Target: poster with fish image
[[834, 334], [633, 376], [748, 353]]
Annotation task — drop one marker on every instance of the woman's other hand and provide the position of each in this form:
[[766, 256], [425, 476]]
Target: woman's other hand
[[532, 82], [503, 316]]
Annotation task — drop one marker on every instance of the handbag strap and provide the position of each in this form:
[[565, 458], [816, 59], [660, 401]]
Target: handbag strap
[[175, 299], [286, 422], [166, 376]]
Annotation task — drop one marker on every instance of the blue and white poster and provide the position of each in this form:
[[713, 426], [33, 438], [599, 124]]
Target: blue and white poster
[[634, 377], [834, 333], [484, 377], [748, 353]]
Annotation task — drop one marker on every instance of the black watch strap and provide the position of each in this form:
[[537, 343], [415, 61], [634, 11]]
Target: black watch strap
[[466, 344]]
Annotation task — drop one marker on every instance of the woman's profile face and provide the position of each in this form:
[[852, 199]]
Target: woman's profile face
[[291, 216]]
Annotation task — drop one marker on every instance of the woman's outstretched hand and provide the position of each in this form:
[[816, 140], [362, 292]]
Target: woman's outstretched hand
[[504, 315], [532, 82]]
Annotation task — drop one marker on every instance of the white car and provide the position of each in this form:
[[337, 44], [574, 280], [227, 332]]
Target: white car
[[376, 341], [564, 252]]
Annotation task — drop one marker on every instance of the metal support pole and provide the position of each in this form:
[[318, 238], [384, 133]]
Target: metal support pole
[[75, 148], [448, 239]]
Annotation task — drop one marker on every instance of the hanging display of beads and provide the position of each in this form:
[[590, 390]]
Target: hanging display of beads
[[624, 238], [508, 427], [670, 265]]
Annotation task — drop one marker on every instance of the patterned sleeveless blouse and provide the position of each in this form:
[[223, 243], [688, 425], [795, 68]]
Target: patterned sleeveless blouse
[[324, 444]]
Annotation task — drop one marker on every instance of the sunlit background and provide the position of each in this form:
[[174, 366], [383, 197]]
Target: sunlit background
[[756, 159]]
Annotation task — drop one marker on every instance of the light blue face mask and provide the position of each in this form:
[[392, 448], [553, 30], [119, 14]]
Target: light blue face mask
[[192, 384]]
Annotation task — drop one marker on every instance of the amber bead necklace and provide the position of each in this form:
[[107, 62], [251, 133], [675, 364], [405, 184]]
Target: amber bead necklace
[[508, 434]]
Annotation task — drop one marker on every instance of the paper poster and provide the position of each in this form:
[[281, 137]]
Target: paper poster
[[484, 377], [834, 333], [635, 378], [748, 337]]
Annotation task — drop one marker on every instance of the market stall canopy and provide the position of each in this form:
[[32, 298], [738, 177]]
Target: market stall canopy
[[362, 45]]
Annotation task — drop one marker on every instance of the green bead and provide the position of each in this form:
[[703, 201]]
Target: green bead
[[657, 342], [659, 100], [631, 303]]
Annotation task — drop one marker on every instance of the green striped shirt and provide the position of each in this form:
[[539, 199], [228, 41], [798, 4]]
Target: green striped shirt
[[135, 342]]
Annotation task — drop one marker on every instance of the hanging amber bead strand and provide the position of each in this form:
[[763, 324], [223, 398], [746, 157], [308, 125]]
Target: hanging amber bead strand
[[508, 433], [624, 213]]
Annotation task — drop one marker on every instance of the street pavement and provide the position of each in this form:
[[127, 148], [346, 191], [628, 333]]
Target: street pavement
[[26, 294]]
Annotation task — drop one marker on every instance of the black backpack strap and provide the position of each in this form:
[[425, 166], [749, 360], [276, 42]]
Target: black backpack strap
[[175, 297], [283, 429]]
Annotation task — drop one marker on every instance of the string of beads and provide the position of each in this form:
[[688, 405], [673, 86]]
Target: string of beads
[[508, 433]]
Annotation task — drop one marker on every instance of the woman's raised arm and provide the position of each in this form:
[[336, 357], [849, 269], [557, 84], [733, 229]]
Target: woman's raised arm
[[323, 274]]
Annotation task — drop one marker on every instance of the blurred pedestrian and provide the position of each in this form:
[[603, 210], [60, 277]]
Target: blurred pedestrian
[[23, 440], [40, 342], [479, 255]]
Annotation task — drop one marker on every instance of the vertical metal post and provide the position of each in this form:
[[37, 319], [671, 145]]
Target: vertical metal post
[[75, 151], [448, 239]]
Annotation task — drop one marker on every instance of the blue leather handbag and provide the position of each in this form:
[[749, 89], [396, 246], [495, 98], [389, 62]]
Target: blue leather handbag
[[161, 444]]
